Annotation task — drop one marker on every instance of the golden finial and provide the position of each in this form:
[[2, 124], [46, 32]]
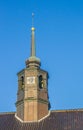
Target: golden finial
[[32, 22]]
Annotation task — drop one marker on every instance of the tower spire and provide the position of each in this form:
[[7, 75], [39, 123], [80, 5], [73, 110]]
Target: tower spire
[[33, 49], [33, 60]]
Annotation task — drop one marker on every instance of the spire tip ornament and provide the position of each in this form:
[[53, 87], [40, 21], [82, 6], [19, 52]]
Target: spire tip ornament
[[33, 29], [33, 19]]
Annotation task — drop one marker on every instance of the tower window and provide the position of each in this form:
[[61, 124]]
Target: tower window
[[41, 84], [22, 80]]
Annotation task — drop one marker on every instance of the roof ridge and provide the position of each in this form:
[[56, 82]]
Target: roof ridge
[[68, 110], [3, 113]]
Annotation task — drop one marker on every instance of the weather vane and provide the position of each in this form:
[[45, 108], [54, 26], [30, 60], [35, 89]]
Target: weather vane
[[32, 19]]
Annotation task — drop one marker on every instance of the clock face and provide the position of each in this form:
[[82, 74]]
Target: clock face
[[30, 80]]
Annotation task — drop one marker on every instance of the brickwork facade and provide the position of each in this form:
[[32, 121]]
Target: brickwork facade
[[32, 101]]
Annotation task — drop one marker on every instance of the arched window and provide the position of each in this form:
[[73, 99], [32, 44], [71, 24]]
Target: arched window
[[41, 82], [22, 80]]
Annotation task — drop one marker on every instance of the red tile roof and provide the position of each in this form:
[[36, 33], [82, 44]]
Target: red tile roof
[[57, 120]]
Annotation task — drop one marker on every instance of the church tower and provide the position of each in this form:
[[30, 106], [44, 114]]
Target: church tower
[[32, 96]]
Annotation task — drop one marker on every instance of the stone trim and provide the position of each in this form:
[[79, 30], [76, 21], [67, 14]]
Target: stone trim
[[32, 121], [19, 102], [31, 99], [35, 99]]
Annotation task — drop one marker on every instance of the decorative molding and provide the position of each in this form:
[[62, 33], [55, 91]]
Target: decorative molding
[[19, 102], [35, 99]]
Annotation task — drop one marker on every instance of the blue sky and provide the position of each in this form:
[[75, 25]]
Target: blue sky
[[59, 45]]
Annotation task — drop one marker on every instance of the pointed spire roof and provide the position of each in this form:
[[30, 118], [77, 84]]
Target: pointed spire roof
[[33, 60], [33, 49]]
